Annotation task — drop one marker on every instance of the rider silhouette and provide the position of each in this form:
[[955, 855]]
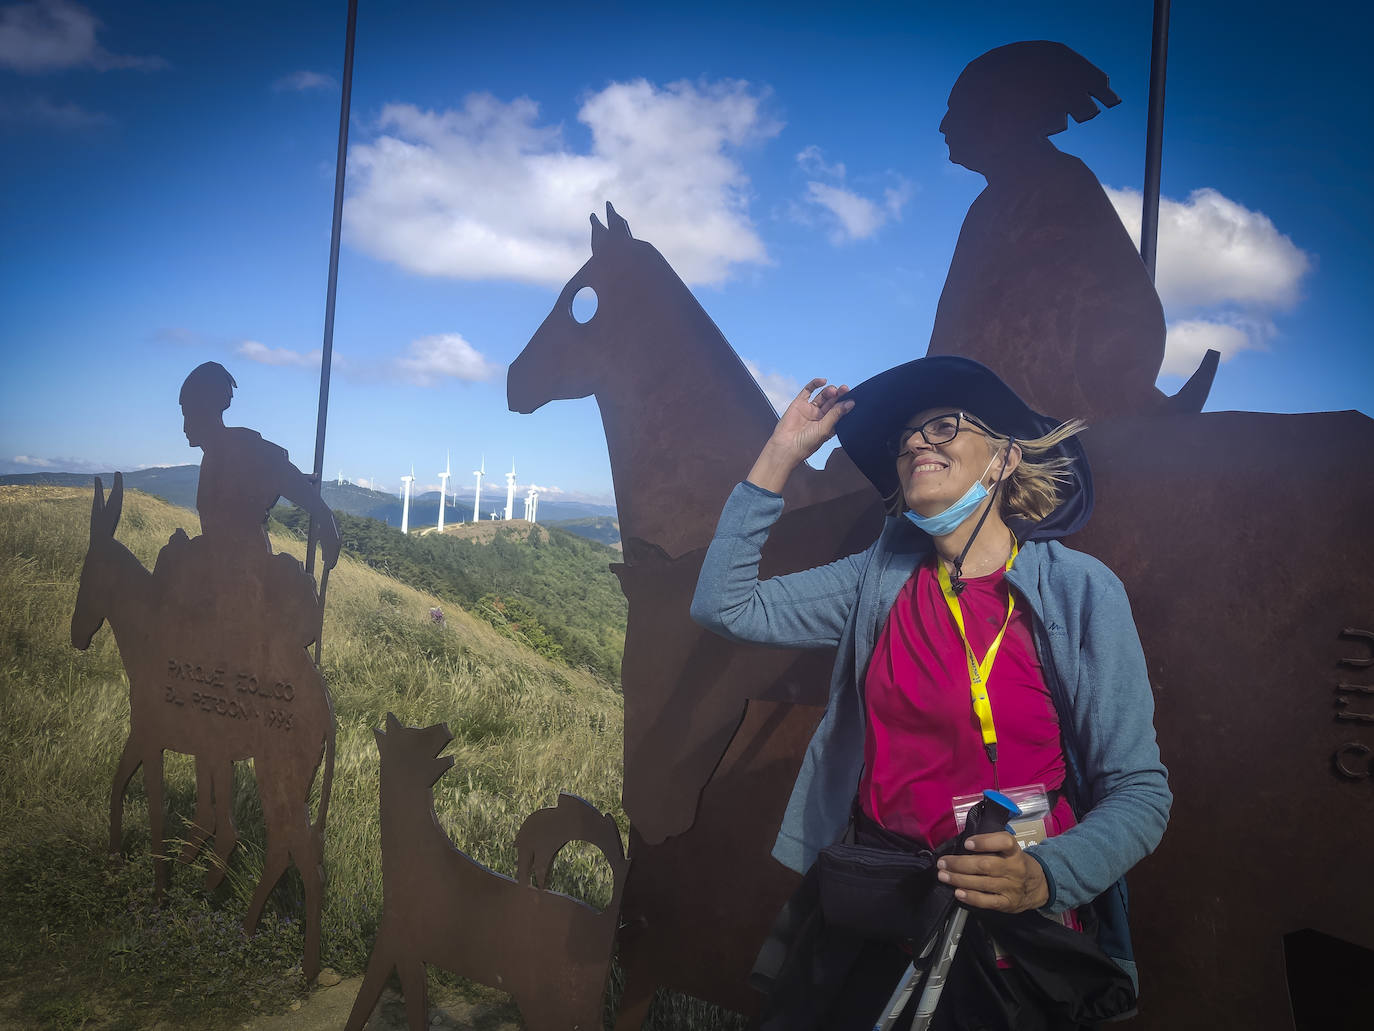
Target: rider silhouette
[[242, 475], [1045, 286]]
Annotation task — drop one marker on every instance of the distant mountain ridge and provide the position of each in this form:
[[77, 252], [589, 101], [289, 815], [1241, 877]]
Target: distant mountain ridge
[[177, 485]]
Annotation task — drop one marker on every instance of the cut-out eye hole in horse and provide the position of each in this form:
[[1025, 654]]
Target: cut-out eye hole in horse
[[1240, 590]]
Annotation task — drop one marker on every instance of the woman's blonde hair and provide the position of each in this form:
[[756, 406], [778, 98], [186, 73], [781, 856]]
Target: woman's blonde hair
[[1031, 490]]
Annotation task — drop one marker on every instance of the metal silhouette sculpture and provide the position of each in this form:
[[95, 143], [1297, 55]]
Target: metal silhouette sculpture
[[1045, 284], [550, 951], [1240, 623], [635, 377], [685, 689], [1243, 541], [214, 642]]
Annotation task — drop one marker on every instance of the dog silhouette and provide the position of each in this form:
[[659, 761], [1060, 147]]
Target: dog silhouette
[[549, 951]]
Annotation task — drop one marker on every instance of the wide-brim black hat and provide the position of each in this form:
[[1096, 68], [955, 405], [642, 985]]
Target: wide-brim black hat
[[884, 403]]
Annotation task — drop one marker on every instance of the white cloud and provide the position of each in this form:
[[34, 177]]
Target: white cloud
[[779, 389], [49, 35], [37, 463], [855, 217], [301, 81], [1214, 251], [849, 214], [1221, 271], [179, 336], [33, 464], [256, 352], [811, 160], [1189, 339], [486, 191], [444, 356], [53, 114]]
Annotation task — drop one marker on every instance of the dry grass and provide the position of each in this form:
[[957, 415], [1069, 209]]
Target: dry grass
[[524, 729]]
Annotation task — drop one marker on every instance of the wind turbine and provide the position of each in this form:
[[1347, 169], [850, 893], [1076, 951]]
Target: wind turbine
[[510, 491], [443, 489], [406, 481], [532, 504], [477, 498]]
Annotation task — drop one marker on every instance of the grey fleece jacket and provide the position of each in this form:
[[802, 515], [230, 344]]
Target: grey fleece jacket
[[1087, 644]]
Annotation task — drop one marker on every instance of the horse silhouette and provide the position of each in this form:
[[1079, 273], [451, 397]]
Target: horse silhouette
[[648, 339], [686, 689], [551, 952], [212, 675], [1242, 539]]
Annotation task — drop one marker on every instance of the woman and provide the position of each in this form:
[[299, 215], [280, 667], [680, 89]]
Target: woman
[[980, 487]]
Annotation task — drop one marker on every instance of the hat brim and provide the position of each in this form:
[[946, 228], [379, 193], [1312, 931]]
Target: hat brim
[[884, 403]]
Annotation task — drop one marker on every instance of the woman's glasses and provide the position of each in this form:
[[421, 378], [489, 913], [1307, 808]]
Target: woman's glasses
[[939, 429]]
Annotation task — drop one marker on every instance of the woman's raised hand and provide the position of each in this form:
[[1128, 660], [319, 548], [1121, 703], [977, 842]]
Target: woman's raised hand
[[808, 422]]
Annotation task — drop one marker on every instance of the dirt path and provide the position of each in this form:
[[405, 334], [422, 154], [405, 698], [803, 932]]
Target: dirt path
[[327, 1009]]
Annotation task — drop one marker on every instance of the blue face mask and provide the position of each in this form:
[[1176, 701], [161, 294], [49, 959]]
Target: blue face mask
[[948, 521]]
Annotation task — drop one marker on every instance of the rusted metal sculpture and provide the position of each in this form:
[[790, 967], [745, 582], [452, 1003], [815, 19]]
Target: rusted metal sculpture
[[1243, 540], [551, 952], [676, 676], [638, 378], [1241, 623], [214, 643], [1045, 285]]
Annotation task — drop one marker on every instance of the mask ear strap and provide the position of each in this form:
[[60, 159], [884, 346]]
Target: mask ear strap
[[956, 581]]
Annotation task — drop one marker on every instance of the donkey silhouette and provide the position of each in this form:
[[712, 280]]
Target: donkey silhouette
[[551, 952], [212, 676]]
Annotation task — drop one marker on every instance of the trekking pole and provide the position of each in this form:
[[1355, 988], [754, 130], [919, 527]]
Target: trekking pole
[[901, 995], [986, 817]]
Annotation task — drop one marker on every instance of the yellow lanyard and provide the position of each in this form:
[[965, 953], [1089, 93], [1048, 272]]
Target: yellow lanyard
[[978, 671]]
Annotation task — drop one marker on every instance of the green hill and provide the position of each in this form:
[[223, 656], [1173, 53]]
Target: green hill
[[605, 529], [82, 944], [551, 589]]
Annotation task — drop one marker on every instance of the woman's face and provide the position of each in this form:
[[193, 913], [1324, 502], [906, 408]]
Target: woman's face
[[934, 476]]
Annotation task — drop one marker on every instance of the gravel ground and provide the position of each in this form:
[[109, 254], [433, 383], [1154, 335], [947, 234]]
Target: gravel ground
[[327, 1009]]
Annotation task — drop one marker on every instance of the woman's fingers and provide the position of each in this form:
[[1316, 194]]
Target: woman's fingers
[[999, 875], [804, 394], [836, 412]]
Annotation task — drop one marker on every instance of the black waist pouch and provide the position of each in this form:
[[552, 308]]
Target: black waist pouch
[[878, 883], [874, 892]]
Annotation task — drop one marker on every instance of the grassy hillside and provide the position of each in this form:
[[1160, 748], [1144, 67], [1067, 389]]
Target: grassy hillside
[[605, 529], [81, 945], [552, 590]]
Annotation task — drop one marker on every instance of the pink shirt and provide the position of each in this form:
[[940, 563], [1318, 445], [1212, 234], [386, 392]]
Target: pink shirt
[[923, 745]]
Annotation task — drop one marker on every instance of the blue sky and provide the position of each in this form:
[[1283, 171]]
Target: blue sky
[[166, 181]]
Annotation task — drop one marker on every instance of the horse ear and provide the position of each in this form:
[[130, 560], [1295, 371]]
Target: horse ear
[[97, 503], [115, 505], [392, 723], [599, 232], [617, 224]]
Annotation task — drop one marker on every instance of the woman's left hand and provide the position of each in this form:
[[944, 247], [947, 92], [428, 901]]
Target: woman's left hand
[[998, 876]]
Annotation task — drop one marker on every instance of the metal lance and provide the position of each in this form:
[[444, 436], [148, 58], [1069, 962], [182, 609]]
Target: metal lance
[[1154, 137], [327, 351]]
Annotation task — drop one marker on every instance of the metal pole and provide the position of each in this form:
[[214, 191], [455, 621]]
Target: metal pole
[[1154, 137], [327, 351]]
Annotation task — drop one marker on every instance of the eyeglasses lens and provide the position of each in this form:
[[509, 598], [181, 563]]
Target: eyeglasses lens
[[939, 430]]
